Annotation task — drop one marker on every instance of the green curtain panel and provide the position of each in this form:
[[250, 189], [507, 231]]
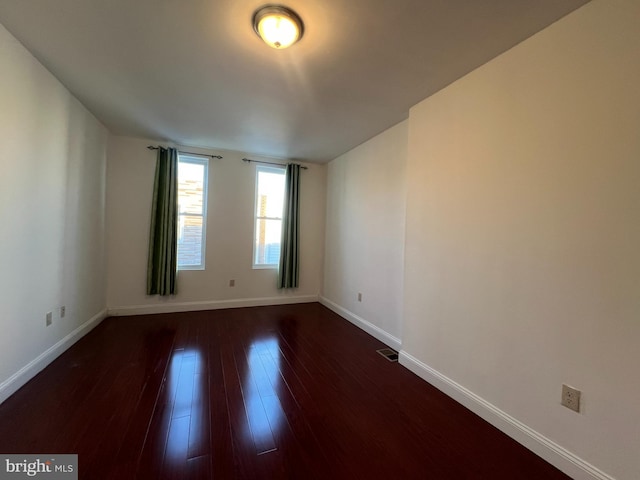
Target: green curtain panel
[[163, 238], [289, 251]]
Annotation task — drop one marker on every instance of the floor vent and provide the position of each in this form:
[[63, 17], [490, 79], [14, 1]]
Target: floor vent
[[389, 354]]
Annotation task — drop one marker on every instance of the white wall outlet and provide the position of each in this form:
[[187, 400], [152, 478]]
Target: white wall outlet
[[571, 397], [63, 311], [49, 319], [359, 297], [232, 283]]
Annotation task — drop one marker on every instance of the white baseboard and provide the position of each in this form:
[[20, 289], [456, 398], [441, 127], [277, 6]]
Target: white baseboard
[[170, 307], [360, 322], [545, 448], [30, 370]]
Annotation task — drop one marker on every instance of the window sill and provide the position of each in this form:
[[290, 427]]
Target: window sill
[[265, 267]]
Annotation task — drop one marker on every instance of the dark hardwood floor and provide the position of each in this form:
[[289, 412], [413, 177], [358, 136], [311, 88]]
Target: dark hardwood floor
[[257, 393]]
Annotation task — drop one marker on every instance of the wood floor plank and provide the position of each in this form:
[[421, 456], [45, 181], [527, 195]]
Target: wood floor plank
[[175, 454], [289, 391], [222, 455], [242, 439], [130, 449]]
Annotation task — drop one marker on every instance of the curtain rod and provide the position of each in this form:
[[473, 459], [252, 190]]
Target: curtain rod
[[151, 147], [248, 160]]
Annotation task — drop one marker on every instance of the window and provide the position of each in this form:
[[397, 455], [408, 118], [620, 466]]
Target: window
[[268, 216], [192, 211]]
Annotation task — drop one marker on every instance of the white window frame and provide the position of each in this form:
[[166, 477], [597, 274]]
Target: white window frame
[[263, 168], [204, 161]]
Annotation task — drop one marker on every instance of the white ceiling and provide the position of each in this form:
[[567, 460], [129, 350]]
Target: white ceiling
[[194, 72]]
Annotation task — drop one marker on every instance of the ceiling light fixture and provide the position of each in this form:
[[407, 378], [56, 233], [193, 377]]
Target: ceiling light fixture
[[279, 26]]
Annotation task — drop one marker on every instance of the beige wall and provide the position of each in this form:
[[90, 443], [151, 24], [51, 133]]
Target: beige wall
[[523, 231], [365, 234], [52, 201], [521, 245], [229, 246]]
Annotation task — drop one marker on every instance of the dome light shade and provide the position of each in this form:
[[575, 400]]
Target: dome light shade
[[279, 27]]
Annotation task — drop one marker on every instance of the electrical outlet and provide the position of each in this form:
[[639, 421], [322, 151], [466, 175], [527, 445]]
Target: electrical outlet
[[232, 283], [63, 311], [571, 397], [49, 320], [359, 297]]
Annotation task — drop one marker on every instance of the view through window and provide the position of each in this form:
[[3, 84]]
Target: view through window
[[192, 207], [268, 216]]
